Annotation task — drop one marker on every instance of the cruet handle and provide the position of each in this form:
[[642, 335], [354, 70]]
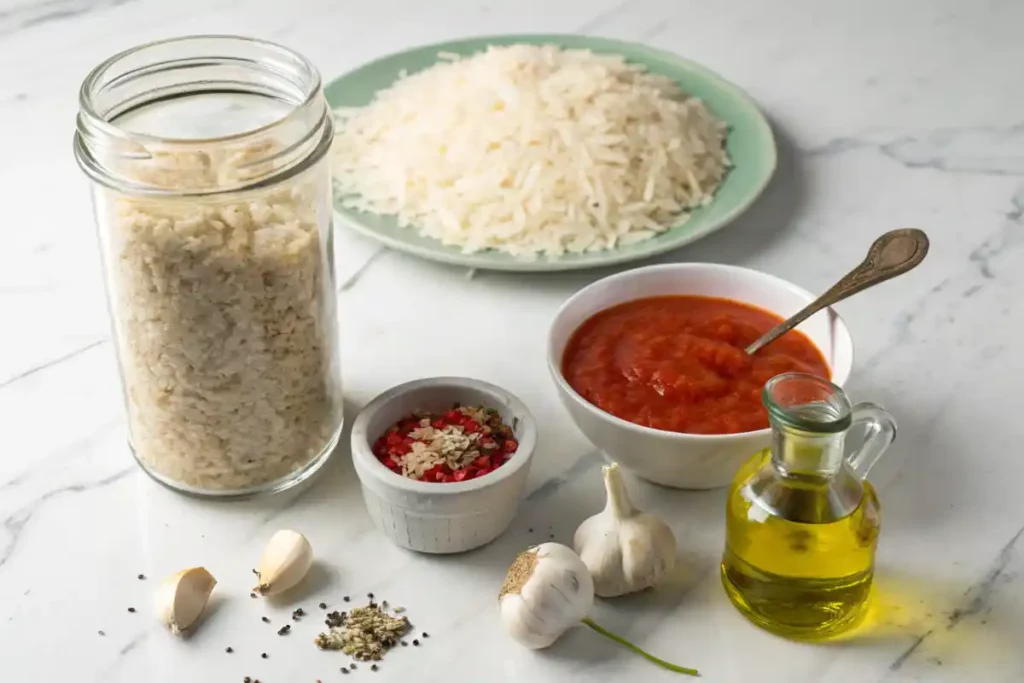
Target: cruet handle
[[880, 432]]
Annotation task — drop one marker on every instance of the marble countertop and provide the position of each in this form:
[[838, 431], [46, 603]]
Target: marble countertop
[[887, 115]]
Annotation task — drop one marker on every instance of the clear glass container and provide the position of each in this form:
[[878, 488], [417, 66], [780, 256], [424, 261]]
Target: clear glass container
[[212, 192], [802, 521]]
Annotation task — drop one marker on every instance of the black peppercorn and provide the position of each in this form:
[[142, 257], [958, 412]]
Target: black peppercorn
[[265, 620], [131, 609], [323, 605], [228, 650], [415, 642], [263, 655]]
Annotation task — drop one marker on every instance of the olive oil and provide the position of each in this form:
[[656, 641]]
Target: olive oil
[[802, 522], [807, 579]]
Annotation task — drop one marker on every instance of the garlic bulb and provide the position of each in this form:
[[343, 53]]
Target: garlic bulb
[[626, 550], [285, 561], [548, 589], [181, 598]]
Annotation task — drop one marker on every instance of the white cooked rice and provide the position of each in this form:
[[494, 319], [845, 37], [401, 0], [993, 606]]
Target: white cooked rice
[[531, 149]]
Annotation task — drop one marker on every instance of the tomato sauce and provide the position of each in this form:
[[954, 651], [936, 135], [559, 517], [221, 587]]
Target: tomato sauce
[[677, 363]]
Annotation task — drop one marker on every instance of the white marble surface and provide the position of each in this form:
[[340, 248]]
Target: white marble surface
[[888, 114]]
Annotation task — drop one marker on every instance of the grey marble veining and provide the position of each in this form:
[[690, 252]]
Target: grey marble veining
[[887, 115]]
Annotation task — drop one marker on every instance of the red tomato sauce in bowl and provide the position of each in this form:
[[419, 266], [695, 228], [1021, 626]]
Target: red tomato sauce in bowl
[[677, 363]]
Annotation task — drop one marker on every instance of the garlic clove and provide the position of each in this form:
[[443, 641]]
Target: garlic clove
[[284, 563], [181, 598]]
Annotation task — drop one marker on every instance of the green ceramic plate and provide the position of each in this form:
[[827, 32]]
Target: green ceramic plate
[[750, 145]]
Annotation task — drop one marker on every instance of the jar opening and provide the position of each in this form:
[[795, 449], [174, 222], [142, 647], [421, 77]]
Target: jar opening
[[246, 109]]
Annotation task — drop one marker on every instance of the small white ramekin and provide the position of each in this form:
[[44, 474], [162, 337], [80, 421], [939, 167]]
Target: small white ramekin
[[441, 517]]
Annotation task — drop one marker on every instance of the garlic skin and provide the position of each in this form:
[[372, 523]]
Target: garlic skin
[[624, 549], [180, 599], [548, 590], [284, 563]]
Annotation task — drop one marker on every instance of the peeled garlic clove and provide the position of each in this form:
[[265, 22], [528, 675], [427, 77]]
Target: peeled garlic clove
[[284, 563], [181, 598]]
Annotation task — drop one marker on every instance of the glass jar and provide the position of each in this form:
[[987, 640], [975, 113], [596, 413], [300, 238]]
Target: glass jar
[[212, 192]]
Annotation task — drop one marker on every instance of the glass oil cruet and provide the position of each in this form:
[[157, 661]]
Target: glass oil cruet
[[801, 520]]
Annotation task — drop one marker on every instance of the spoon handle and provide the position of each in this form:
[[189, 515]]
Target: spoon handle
[[892, 254]]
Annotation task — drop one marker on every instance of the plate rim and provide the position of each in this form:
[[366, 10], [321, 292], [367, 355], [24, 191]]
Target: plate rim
[[479, 260]]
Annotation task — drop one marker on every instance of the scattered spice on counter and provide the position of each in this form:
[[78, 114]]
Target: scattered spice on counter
[[246, 680], [252, 595], [323, 605], [415, 642], [346, 598], [299, 613], [457, 445], [373, 667], [265, 620], [344, 670], [142, 577], [365, 633], [263, 655], [284, 630], [229, 650], [132, 610], [426, 635], [102, 633]]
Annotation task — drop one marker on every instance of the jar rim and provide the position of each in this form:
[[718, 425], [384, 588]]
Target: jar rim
[[87, 90], [294, 81]]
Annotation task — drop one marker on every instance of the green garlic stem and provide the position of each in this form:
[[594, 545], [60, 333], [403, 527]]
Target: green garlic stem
[[646, 655]]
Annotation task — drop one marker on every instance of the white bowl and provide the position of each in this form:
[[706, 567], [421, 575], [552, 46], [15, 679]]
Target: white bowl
[[692, 461], [441, 517]]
